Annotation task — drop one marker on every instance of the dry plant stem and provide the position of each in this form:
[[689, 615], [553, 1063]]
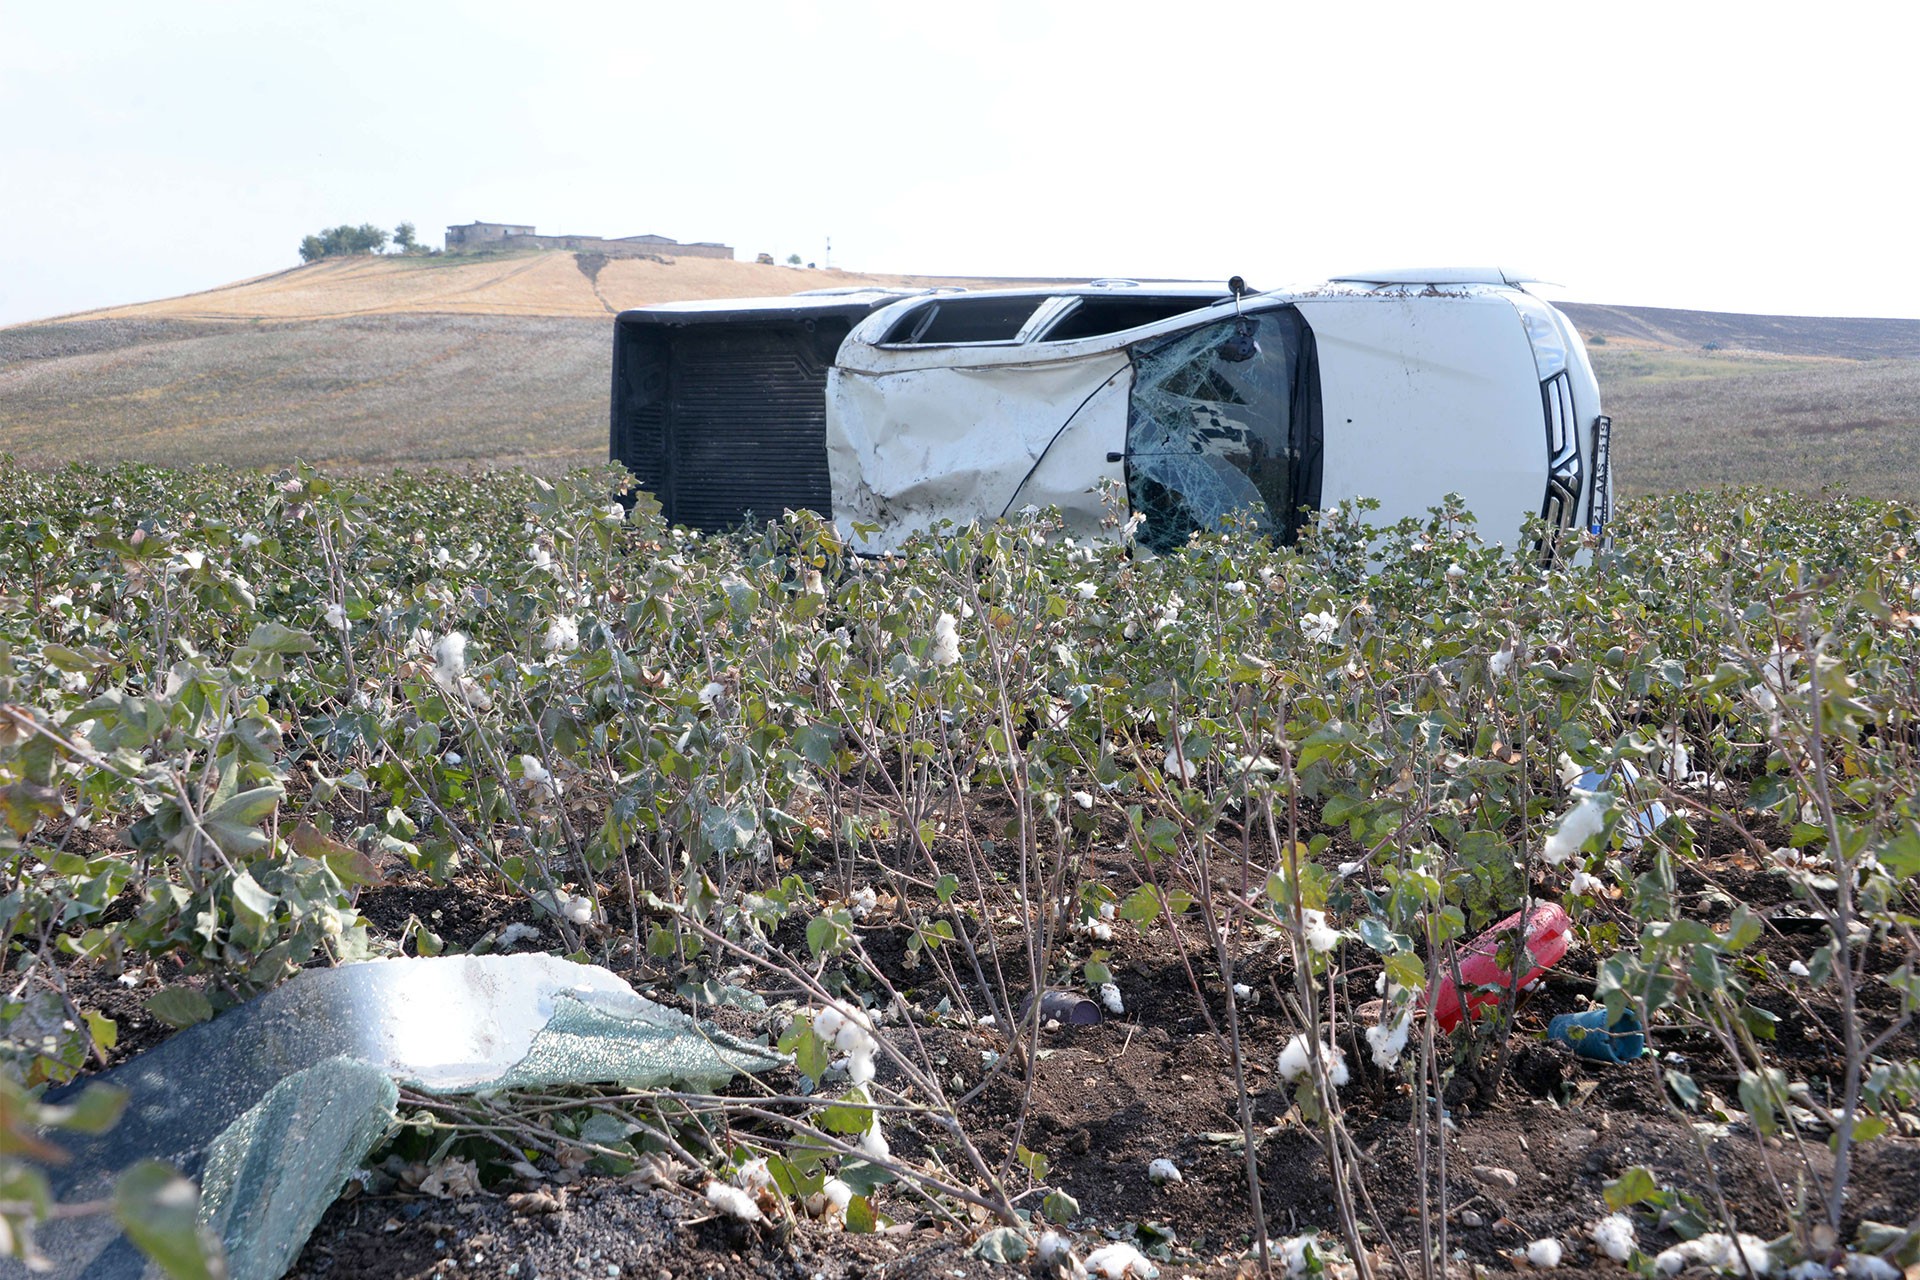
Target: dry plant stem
[[1218, 931], [1307, 1009], [928, 1085]]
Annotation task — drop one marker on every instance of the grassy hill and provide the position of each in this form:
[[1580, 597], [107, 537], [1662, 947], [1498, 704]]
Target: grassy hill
[[504, 360]]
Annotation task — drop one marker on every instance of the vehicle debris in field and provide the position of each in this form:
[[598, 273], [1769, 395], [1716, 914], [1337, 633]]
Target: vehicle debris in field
[[273, 1105], [1485, 975], [1593, 1036], [891, 411]]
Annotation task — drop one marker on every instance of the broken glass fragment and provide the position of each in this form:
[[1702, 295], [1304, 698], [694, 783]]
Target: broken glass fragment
[[272, 1105]]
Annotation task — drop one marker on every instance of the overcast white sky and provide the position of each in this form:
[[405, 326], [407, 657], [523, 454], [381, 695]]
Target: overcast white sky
[[1731, 157]]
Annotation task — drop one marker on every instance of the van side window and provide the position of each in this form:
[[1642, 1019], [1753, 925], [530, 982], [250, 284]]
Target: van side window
[[1223, 423], [949, 320], [1094, 316]]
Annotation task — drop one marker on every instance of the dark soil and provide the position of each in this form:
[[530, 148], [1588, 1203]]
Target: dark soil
[[1105, 1100]]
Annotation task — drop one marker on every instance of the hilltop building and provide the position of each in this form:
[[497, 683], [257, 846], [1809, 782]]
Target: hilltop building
[[496, 237]]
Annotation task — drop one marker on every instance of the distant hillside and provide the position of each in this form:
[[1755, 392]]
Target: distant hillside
[[504, 360], [537, 283], [1852, 339]]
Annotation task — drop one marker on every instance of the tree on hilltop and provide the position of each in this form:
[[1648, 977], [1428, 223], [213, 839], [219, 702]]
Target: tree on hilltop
[[344, 241], [405, 239]]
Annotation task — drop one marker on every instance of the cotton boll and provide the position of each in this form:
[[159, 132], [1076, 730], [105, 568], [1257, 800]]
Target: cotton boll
[[1120, 1262], [1799, 970], [838, 1194], [540, 778], [1295, 1062], [946, 641], [1586, 885], [1163, 1171], [862, 903], [449, 657], [1544, 1253], [1053, 1248], [711, 692], [1110, 998], [1319, 934], [1243, 993], [753, 1175], [1389, 1040], [1179, 767], [1614, 1235], [336, 617], [1455, 573], [733, 1202], [563, 633], [1502, 660], [850, 1036], [873, 1144], [1586, 819], [827, 1022]]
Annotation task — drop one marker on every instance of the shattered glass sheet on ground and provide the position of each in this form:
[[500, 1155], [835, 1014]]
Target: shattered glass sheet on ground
[[1208, 434], [273, 1105]]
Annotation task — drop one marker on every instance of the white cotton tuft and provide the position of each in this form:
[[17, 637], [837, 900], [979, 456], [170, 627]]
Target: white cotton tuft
[[753, 1175], [1389, 1040], [946, 641], [1587, 885], [1614, 1235], [1715, 1249], [1296, 1064], [1586, 819], [1053, 1247], [1178, 766], [1799, 970], [711, 692], [1110, 998], [1162, 1171], [838, 1194], [1320, 935], [733, 1202], [1120, 1262], [1455, 573], [563, 633], [1243, 993], [336, 617], [540, 778], [1544, 1253], [1502, 660], [1321, 628], [449, 657], [873, 1144]]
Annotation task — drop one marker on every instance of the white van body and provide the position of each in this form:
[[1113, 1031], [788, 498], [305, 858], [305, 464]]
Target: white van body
[[1397, 386]]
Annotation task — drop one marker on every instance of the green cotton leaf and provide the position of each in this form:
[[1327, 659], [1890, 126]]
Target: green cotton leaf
[[1684, 1088], [946, 887], [817, 743], [180, 1007], [158, 1209], [850, 1117], [861, 1219], [234, 823], [1033, 1162], [271, 637], [1060, 1207], [104, 1030], [829, 932], [1002, 1244], [1632, 1187], [863, 1177], [1141, 906], [251, 903]]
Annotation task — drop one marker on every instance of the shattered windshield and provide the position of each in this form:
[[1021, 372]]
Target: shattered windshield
[[1220, 425]]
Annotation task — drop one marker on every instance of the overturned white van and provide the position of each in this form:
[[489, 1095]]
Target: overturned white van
[[890, 411]]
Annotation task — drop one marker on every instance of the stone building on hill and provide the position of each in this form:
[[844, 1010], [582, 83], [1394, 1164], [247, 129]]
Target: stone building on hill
[[497, 237]]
